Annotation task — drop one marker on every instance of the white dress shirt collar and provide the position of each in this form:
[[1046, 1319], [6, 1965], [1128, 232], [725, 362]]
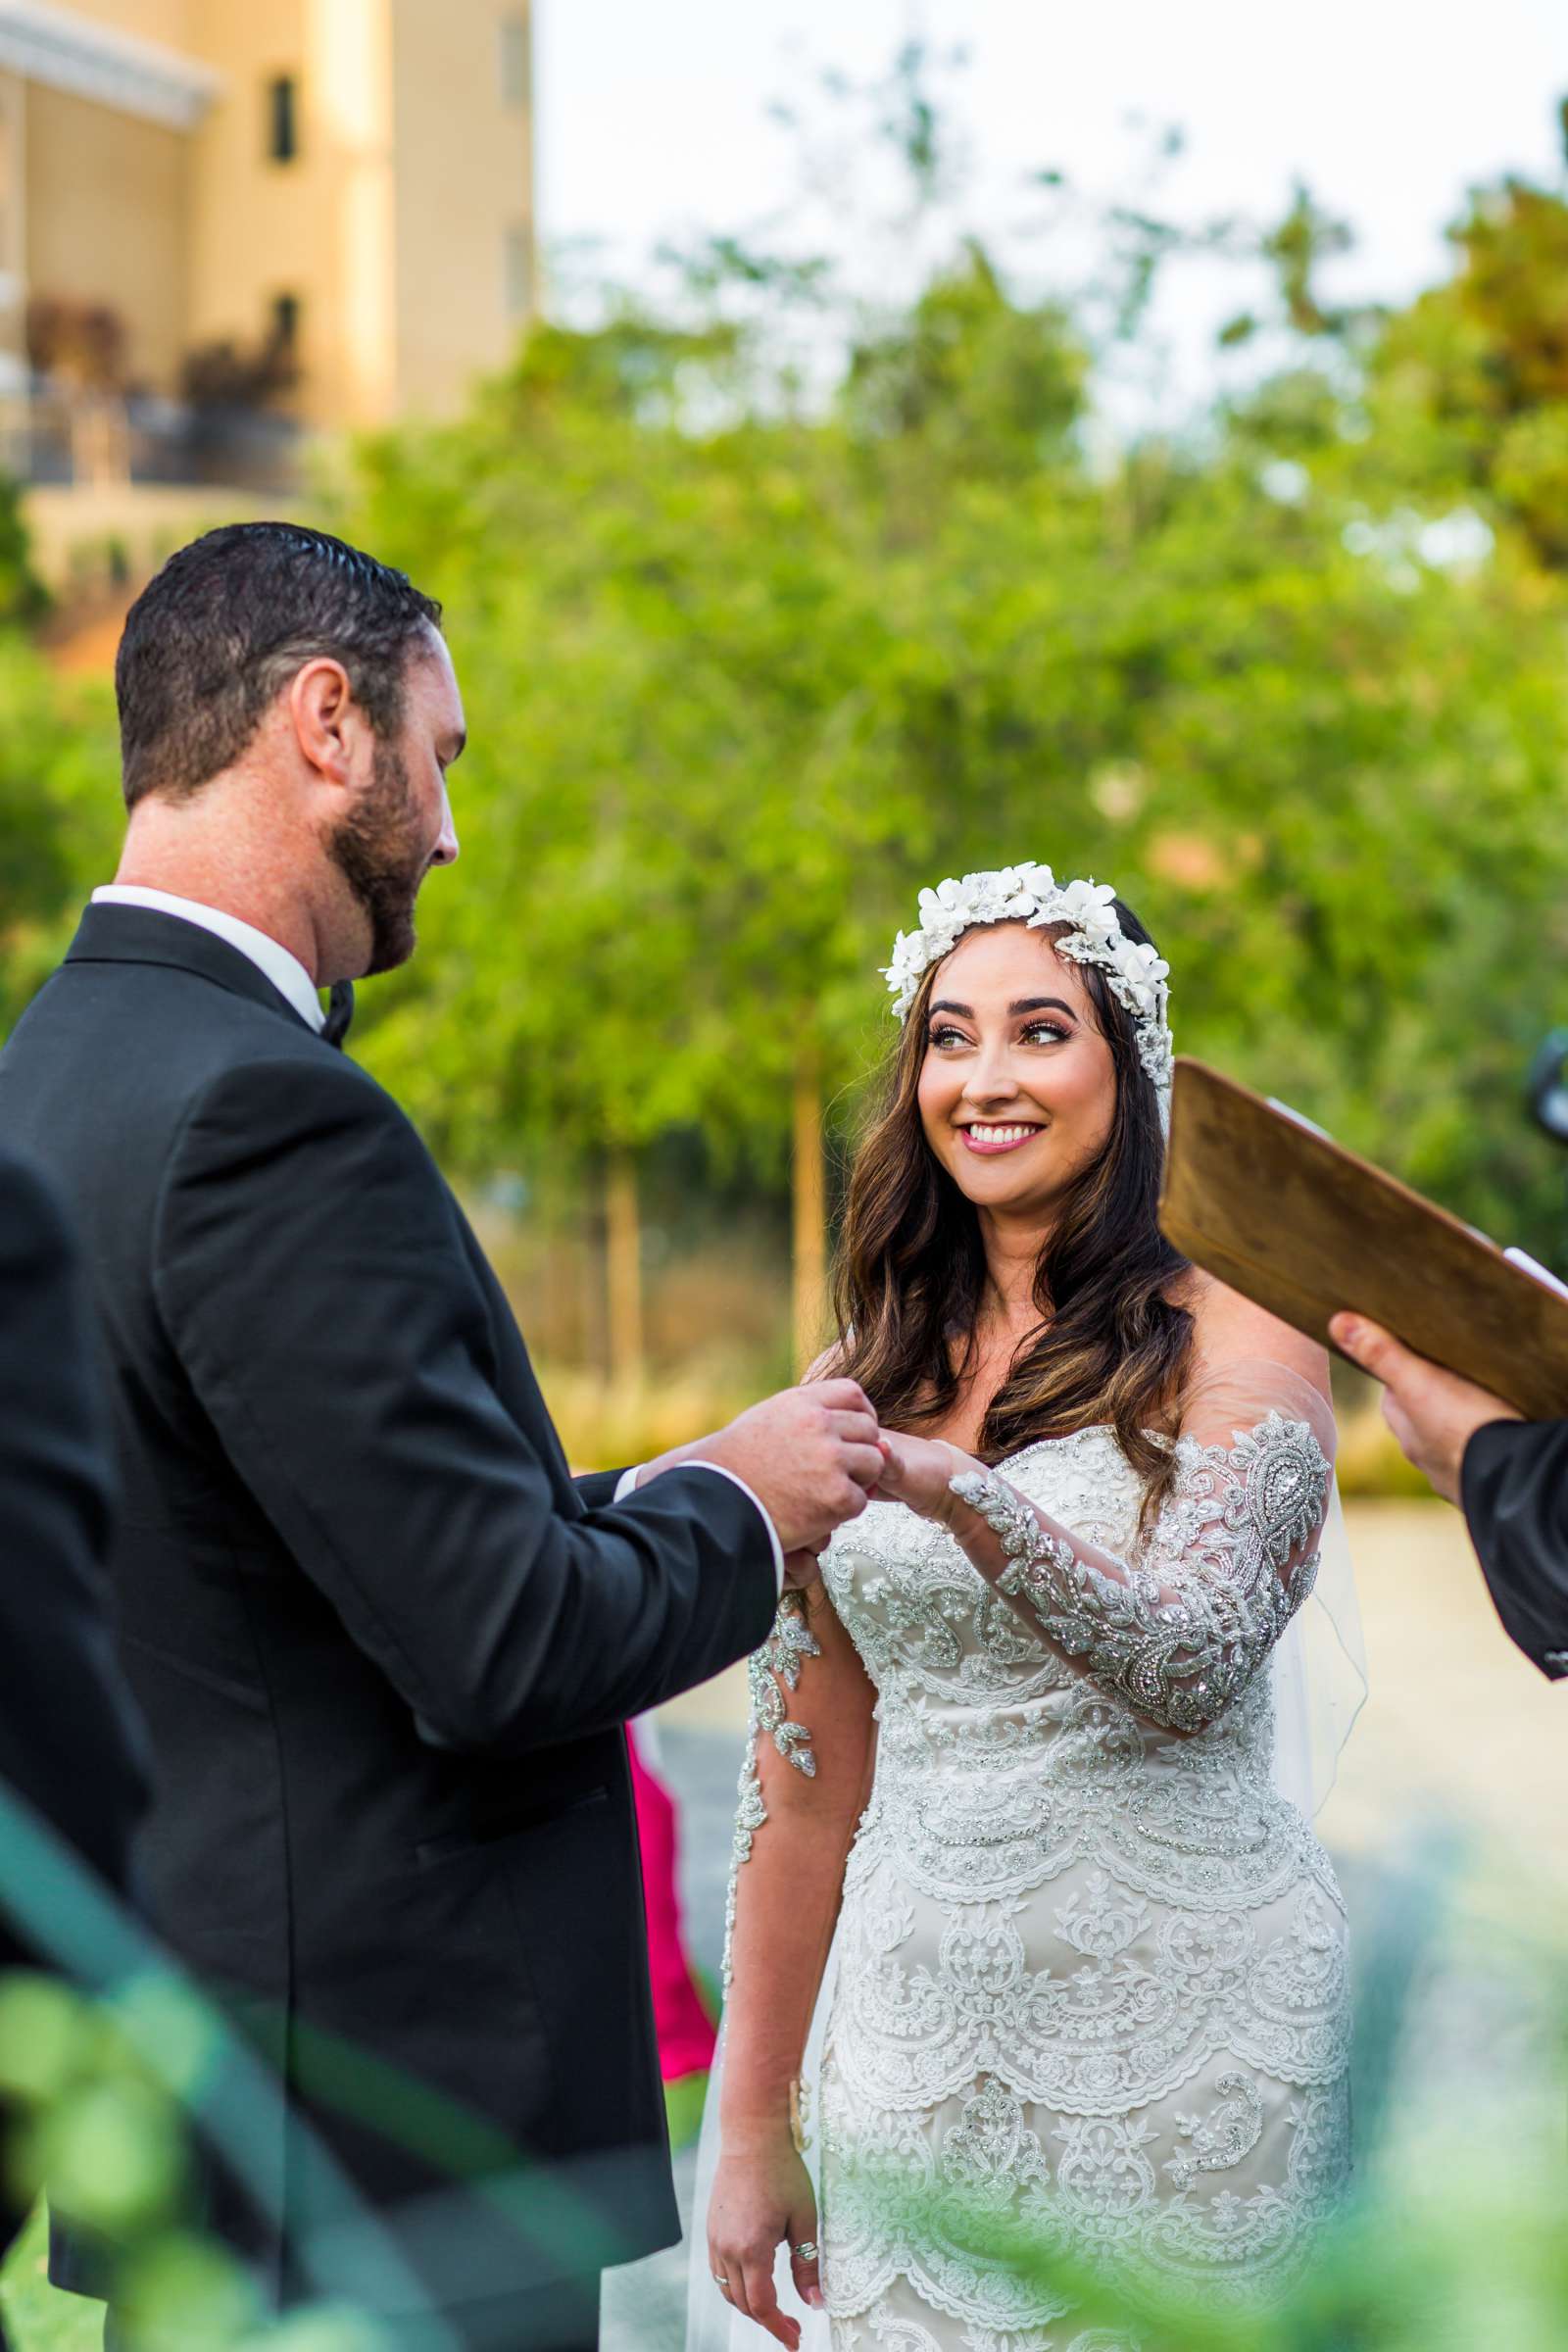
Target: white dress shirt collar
[[285, 971]]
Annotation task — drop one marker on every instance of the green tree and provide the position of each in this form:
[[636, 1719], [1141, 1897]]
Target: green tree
[[60, 813], [1469, 385], [744, 674]]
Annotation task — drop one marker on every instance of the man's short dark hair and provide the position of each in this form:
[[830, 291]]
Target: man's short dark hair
[[230, 620]]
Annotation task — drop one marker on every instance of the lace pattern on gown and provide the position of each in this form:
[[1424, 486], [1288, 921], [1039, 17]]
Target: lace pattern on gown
[[770, 1673], [1092, 1976], [1183, 1632]]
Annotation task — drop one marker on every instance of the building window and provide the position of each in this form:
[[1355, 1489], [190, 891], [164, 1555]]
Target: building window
[[282, 119], [518, 254], [285, 320], [514, 59]]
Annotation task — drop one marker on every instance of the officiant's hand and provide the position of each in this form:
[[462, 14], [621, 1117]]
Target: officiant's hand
[[809, 1455], [1434, 1414]]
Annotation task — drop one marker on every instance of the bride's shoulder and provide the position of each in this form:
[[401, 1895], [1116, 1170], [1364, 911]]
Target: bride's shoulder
[[1229, 1329]]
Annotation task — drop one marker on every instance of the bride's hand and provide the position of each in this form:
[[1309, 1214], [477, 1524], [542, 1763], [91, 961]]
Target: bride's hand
[[919, 1471], [763, 2198]]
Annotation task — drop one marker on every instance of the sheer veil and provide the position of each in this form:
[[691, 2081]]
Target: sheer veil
[[1320, 1684], [1320, 1678]]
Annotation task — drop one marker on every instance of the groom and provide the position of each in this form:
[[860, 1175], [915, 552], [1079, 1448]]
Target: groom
[[384, 1644]]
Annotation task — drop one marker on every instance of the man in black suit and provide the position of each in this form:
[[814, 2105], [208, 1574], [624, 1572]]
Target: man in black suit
[[384, 1642], [1509, 1476], [69, 1747]]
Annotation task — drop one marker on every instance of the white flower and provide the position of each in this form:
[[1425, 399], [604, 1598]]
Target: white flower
[[950, 901], [1091, 907], [1137, 961], [1134, 972]]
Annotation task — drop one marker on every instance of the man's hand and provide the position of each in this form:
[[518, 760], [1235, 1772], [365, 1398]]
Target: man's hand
[[1434, 1414], [809, 1455]]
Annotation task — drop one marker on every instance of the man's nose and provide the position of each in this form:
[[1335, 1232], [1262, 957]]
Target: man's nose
[[446, 848]]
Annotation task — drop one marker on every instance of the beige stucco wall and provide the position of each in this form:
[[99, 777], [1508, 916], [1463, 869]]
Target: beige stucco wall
[[252, 226], [463, 181], [164, 21], [107, 210], [389, 229], [318, 228]]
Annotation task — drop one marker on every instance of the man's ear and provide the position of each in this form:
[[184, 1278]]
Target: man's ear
[[326, 719]]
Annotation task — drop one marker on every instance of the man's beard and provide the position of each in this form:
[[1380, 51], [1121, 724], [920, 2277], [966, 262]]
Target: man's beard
[[376, 851]]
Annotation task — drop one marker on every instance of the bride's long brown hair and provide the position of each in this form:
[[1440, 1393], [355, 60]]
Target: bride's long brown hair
[[910, 1274]]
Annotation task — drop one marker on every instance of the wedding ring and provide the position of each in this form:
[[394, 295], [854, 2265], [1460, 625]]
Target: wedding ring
[[805, 2251], [718, 2279]]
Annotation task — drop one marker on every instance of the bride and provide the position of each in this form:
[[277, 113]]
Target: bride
[[1014, 1757]]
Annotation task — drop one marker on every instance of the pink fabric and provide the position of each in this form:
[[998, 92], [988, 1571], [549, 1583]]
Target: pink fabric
[[685, 2030]]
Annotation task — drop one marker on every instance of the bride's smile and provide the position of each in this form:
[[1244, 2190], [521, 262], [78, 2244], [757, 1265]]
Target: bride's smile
[[981, 1136], [1017, 1092]]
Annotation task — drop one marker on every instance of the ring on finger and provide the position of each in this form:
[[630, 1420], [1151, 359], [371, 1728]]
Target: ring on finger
[[805, 2251], [718, 2279]]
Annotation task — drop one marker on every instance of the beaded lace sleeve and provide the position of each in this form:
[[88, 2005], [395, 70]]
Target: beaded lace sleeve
[[772, 1676], [1179, 1630], [805, 1765]]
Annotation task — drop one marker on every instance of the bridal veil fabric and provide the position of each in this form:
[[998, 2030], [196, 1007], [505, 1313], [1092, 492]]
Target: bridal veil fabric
[[1090, 1976]]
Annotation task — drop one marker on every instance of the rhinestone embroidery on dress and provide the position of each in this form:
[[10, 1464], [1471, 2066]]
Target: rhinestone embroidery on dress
[[778, 1662], [1181, 1634], [1091, 1967]]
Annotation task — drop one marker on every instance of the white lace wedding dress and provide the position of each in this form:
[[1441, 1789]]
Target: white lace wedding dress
[[1091, 1973]]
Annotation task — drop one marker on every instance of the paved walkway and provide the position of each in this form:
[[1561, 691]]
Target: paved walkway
[[645, 2304]]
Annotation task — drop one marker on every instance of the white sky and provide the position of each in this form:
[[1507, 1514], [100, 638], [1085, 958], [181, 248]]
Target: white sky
[[652, 117]]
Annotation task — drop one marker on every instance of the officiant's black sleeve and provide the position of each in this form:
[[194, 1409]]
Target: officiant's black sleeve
[[68, 1742], [314, 1275], [1514, 1488]]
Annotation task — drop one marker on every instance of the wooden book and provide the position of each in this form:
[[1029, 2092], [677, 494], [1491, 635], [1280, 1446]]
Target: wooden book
[[1273, 1207]]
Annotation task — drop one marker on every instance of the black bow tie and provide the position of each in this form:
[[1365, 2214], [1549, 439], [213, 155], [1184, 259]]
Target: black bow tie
[[339, 1013]]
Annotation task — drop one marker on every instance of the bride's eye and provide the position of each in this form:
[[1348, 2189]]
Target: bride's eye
[[943, 1034], [1051, 1033]]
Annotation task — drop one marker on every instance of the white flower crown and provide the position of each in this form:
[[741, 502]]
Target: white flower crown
[[1136, 975]]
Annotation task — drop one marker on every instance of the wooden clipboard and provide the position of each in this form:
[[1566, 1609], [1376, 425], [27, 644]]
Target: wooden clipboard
[[1277, 1210]]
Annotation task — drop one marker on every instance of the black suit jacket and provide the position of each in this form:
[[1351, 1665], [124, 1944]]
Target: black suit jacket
[[384, 1644], [1514, 1487], [69, 1747]]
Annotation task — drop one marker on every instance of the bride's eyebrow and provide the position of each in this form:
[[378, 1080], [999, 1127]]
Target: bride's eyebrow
[[967, 1012]]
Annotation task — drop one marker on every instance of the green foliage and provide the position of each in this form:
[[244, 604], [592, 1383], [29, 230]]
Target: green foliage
[[23, 596], [745, 668], [1472, 382], [59, 812], [742, 677], [84, 2111]]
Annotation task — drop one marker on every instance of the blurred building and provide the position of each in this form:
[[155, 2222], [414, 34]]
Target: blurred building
[[227, 222]]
